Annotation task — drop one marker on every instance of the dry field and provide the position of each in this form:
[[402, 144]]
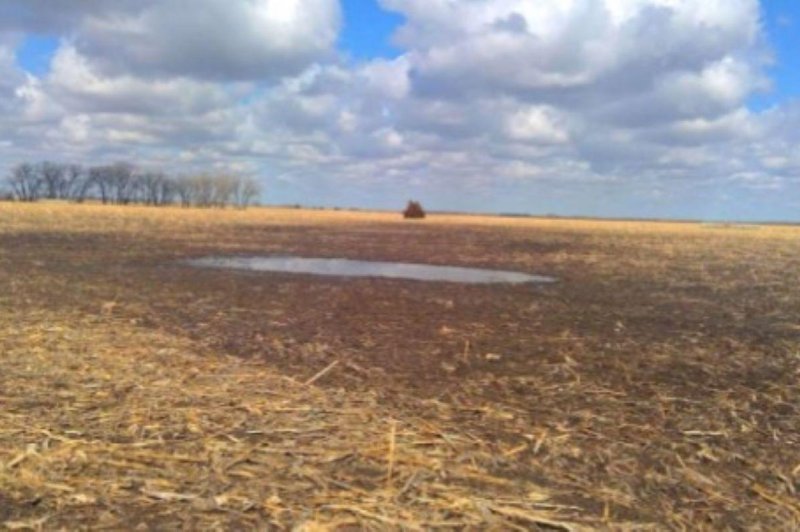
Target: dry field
[[655, 386]]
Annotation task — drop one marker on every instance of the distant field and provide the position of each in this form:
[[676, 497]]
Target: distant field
[[655, 385]]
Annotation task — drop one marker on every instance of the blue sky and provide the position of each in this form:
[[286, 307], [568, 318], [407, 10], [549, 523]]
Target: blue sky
[[782, 23], [368, 29], [480, 105], [36, 52]]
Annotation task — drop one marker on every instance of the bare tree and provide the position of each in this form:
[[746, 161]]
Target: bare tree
[[202, 190], [156, 188], [224, 189], [52, 177], [246, 192], [166, 194], [150, 184], [58, 180], [122, 183], [99, 178], [25, 182], [76, 183], [184, 190]]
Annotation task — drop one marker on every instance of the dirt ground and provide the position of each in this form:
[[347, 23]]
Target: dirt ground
[[655, 385]]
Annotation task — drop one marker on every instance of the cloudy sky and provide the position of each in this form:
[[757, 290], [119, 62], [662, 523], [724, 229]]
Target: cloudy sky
[[679, 108]]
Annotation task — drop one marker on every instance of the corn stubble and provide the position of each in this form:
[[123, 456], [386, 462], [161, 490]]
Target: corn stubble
[[111, 417]]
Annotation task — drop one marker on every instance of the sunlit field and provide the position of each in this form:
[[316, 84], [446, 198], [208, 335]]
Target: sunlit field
[[655, 385]]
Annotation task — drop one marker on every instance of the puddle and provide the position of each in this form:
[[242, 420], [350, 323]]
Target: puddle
[[360, 268]]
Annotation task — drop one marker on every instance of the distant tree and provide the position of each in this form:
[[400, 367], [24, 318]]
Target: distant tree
[[224, 189], [184, 190], [246, 192], [123, 185], [25, 182], [414, 210], [57, 180], [156, 188], [52, 176], [149, 184], [114, 183], [100, 180], [76, 183], [166, 191], [202, 186]]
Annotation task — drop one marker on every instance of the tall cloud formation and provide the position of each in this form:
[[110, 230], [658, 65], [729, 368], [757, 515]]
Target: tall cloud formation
[[204, 39], [628, 107]]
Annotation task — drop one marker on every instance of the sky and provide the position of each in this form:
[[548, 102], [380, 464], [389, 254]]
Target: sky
[[617, 108]]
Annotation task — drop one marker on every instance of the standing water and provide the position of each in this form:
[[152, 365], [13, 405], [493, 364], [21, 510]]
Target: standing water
[[360, 268]]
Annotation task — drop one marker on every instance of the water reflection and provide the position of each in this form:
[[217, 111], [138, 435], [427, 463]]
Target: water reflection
[[360, 268]]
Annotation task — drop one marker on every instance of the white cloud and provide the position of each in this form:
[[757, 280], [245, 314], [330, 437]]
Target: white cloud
[[535, 124], [76, 81], [491, 95], [389, 78], [209, 39], [249, 39], [459, 47]]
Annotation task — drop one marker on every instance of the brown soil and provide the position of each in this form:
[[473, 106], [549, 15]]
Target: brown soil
[[656, 383]]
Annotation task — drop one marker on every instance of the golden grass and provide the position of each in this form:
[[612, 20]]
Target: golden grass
[[108, 424], [55, 215]]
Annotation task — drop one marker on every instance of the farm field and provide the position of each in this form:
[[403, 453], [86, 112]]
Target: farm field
[[656, 385]]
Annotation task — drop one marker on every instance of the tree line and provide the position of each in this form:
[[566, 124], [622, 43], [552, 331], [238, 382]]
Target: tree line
[[123, 183]]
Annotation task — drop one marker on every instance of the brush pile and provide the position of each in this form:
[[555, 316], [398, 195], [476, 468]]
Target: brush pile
[[414, 210]]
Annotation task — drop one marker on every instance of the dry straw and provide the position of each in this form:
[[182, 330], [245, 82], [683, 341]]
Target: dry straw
[[104, 425]]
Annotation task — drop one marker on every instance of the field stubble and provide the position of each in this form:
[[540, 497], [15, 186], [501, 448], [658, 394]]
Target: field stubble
[[654, 386]]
